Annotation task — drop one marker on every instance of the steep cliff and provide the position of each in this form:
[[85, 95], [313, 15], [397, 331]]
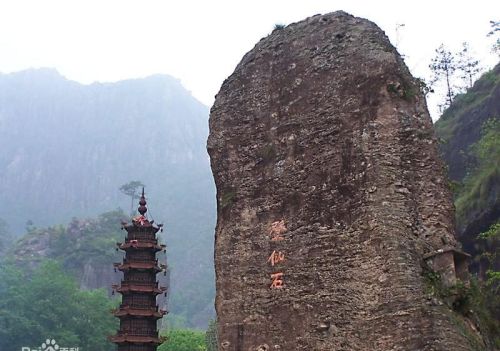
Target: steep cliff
[[460, 125], [470, 135], [330, 198], [85, 248], [460, 128]]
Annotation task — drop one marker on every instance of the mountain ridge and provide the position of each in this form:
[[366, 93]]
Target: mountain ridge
[[68, 147]]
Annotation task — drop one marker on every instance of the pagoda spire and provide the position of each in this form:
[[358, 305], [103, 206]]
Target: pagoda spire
[[142, 204]]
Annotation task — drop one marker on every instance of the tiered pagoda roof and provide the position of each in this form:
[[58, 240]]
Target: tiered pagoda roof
[[139, 311]]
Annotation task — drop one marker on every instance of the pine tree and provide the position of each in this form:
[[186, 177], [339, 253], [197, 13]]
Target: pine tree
[[132, 189], [211, 336], [495, 33], [467, 65], [443, 67]]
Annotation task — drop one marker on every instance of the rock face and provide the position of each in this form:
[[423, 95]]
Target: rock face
[[330, 194]]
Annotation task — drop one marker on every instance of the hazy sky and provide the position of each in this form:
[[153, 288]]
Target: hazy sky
[[201, 42]]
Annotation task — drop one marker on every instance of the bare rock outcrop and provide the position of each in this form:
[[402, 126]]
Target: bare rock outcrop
[[330, 196]]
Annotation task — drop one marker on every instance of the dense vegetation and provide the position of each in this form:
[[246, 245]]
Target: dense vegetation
[[183, 340], [470, 134], [91, 243], [190, 340], [80, 242], [461, 125], [40, 296], [5, 236], [49, 304], [39, 277], [481, 187]]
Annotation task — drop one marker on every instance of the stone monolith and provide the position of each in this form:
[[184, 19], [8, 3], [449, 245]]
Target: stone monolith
[[331, 198]]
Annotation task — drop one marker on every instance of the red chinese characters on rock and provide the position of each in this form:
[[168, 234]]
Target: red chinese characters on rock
[[276, 232], [277, 280], [277, 229], [276, 257]]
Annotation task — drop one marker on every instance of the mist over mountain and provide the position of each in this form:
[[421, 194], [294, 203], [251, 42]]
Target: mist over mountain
[[68, 147]]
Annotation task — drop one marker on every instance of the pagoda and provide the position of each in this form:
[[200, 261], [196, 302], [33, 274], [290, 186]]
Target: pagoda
[[139, 312]]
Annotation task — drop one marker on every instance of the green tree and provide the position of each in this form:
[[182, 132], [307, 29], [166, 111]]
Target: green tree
[[96, 242], [176, 321], [490, 241], [487, 149], [132, 189], [94, 307], [489, 245], [81, 242], [495, 34], [443, 67], [184, 340], [480, 184], [468, 66], [48, 304], [211, 338], [5, 236]]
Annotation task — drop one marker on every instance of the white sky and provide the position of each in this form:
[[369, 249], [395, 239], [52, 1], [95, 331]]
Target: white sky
[[200, 42]]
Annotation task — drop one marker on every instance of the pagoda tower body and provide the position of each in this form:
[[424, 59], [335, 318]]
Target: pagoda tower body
[[139, 312]]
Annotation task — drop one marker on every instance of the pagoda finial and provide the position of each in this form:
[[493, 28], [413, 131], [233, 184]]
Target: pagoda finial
[[142, 204]]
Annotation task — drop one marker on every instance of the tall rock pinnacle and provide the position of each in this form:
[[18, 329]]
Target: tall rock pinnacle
[[331, 197]]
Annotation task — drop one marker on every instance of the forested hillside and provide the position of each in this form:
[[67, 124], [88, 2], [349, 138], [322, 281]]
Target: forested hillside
[[67, 148], [470, 144], [46, 302]]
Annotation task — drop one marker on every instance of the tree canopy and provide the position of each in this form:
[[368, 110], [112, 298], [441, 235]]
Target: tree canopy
[[132, 189], [184, 340], [49, 304]]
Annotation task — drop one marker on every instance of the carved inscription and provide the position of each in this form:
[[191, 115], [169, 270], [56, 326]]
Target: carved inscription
[[276, 232]]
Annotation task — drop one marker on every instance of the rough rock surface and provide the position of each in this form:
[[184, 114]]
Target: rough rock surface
[[321, 138]]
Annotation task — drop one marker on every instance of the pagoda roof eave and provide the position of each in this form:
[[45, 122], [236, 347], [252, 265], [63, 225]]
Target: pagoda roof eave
[[139, 313], [138, 288], [130, 228], [121, 339], [137, 265], [141, 245]]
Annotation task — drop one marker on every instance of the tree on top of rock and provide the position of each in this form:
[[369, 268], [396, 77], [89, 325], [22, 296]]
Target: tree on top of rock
[[468, 66], [443, 67], [132, 189]]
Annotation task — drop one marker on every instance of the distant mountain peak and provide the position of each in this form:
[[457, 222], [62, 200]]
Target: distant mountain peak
[[67, 148], [36, 71]]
